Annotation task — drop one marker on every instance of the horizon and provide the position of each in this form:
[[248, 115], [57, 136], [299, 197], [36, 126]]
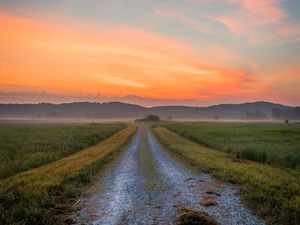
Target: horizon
[[145, 106], [150, 53]]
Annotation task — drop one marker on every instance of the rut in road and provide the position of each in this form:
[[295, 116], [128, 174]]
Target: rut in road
[[147, 186]]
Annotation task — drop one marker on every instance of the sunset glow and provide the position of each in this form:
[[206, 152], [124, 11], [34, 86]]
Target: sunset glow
[[214, 52]]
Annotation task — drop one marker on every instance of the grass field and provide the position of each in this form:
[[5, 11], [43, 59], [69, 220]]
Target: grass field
[[24, 146], [276, 144], [274, 193], [30, 197]]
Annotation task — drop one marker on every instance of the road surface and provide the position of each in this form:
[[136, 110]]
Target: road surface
[[147, 186]]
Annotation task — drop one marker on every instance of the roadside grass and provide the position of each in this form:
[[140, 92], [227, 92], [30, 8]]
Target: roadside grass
[[271, 192], [26, 146], [275, 144], [30, 197]]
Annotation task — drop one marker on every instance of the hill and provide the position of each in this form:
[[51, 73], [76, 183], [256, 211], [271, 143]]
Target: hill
[[113, 110]]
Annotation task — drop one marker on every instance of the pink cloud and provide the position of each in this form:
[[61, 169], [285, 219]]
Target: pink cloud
[[290, 31], [254, 19], [260, 21], [260, 12]]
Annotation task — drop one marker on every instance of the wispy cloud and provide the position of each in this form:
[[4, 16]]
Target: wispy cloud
[[118, 81], [259, 21], [290, 31], [194, 24]]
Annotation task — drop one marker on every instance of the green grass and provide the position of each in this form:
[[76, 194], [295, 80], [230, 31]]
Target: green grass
[[274, 193], [275, 144], [30, 197], [25, 146]]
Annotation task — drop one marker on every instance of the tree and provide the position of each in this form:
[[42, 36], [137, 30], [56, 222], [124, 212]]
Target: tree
[[149, 118]]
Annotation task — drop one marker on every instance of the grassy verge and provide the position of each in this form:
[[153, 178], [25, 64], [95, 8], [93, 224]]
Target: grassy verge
[[273, 193], [275, 144], [26, 146], [29, 197]]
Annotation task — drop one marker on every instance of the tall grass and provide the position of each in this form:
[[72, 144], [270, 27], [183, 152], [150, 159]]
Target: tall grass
[[26, 146], [275, 144]]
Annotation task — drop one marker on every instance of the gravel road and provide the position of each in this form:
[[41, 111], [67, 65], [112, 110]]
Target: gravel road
[[147, 186]]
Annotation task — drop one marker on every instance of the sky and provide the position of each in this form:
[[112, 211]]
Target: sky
[[150, 52]]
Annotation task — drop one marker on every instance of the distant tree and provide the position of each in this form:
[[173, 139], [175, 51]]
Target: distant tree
[[149, 118], [152, 118]]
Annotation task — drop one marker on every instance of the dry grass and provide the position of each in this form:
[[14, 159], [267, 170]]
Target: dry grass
[[190, 217]]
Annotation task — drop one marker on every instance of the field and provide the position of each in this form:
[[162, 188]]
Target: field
[[44, 168], [32, 197], [275, 144], [274, 193], [29, 145], [272, 190]]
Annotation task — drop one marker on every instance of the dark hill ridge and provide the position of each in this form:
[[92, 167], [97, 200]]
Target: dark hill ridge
[[257, 110], [222, 111]]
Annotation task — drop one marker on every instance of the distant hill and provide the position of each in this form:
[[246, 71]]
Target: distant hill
[[110, 110]]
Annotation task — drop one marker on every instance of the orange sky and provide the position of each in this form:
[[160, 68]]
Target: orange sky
[[76, 57]]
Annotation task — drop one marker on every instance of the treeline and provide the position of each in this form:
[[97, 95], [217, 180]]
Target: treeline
[[286, 114]]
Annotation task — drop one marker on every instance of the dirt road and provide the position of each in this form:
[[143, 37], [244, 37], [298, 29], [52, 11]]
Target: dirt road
[[147, 186]]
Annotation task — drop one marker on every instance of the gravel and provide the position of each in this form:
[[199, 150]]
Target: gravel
[[147, 186]]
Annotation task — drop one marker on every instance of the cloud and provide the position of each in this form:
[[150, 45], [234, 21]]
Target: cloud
[[90, 59], [261, 12], [194, 24], [290, 31], [119, 81], [260, 21]]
